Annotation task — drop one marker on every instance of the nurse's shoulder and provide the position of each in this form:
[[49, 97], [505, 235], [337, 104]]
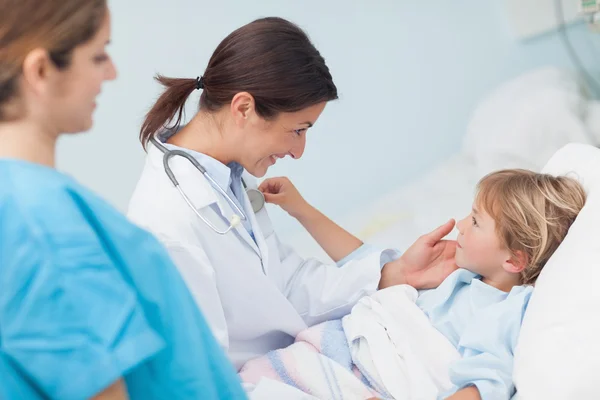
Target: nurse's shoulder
[[41, 200], [31, 196]]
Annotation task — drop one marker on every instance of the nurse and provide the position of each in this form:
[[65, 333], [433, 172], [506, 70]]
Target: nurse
[[90, 305], [264, 87]]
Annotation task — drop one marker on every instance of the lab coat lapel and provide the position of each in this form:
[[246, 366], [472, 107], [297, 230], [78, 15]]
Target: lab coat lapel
[[258, 234], [226, 212], [202, 194]]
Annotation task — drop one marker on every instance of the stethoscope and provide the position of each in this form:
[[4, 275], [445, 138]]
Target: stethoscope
[[257, 199]]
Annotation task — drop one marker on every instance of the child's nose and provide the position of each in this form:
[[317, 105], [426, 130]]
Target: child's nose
[[461, 225]]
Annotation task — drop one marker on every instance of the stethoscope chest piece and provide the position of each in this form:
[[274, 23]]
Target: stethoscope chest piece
[[257, 199]]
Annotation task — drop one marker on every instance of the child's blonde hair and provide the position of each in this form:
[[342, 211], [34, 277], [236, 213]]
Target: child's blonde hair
[[532, 212]]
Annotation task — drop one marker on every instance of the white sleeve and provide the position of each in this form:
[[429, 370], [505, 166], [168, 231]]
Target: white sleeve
[[321, 292], [199, 275]]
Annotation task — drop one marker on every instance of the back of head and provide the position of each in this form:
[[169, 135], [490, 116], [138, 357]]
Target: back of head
[[533, 212], [271, 58], [57, 26]]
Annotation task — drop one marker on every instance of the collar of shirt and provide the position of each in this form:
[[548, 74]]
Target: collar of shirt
[[223, 174]]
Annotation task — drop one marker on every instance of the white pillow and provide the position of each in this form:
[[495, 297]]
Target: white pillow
[[526, 120], [558, 354]]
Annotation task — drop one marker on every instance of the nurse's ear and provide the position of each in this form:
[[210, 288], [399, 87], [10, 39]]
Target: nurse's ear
[[243, 108], [37, 71]]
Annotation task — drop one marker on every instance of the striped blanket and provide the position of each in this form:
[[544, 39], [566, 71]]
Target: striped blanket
[[318, 363], [385, 348]]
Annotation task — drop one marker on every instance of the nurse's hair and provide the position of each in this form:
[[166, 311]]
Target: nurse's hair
[[270, 58], [58, 26], [533, 212]]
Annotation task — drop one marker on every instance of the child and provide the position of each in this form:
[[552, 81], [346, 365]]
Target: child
[[518, 220]]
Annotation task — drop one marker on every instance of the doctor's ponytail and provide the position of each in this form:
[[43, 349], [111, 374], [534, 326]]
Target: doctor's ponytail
[[169, 106], [270, 58]]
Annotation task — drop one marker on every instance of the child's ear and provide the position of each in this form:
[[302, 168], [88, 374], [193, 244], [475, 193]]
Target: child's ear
[[516, 263]]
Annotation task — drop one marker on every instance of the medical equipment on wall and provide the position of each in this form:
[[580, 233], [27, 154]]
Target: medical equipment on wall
[[590, 9], [589, 6], [257, 199]]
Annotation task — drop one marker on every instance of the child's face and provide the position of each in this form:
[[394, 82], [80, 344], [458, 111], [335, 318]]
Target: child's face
[[479, 249]]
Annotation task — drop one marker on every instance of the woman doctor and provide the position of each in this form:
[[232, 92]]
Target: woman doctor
[[264, 87]]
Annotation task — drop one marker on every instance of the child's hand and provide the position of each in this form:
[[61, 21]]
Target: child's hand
[[282, 192]]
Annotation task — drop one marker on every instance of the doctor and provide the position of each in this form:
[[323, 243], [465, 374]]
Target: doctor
[[264, 87]]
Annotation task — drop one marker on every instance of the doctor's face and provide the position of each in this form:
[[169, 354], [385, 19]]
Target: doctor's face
[[266, 141]]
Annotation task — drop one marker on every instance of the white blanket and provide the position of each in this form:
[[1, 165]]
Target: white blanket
[[395, 346], [385, 348]]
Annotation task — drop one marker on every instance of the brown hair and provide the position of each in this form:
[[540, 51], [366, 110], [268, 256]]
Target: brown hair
[[270, 58], [55, 25], [533, 212]]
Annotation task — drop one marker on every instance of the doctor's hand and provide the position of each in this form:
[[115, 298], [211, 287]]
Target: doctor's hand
[[282, 192], [425, 264]]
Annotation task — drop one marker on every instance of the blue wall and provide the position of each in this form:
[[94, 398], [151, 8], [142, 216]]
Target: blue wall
[[409, 72]]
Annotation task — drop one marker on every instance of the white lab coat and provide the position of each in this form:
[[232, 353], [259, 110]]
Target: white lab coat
[[255, 298]]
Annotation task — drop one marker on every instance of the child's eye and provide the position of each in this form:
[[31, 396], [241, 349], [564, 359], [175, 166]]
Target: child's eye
[[474, 221]]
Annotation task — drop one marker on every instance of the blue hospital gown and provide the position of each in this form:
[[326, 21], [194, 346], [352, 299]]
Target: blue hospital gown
[[483, 323], [86, 297]]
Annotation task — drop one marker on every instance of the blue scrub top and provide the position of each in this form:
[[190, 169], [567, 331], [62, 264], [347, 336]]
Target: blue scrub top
[[86, 297]]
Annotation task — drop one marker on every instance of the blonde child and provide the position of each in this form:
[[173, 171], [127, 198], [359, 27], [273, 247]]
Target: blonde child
[[518, 220]]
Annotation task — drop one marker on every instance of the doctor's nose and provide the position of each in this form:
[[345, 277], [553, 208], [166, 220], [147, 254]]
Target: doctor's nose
[[297, 151]]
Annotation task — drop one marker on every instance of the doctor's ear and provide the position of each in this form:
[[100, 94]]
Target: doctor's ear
[[242, 107]]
